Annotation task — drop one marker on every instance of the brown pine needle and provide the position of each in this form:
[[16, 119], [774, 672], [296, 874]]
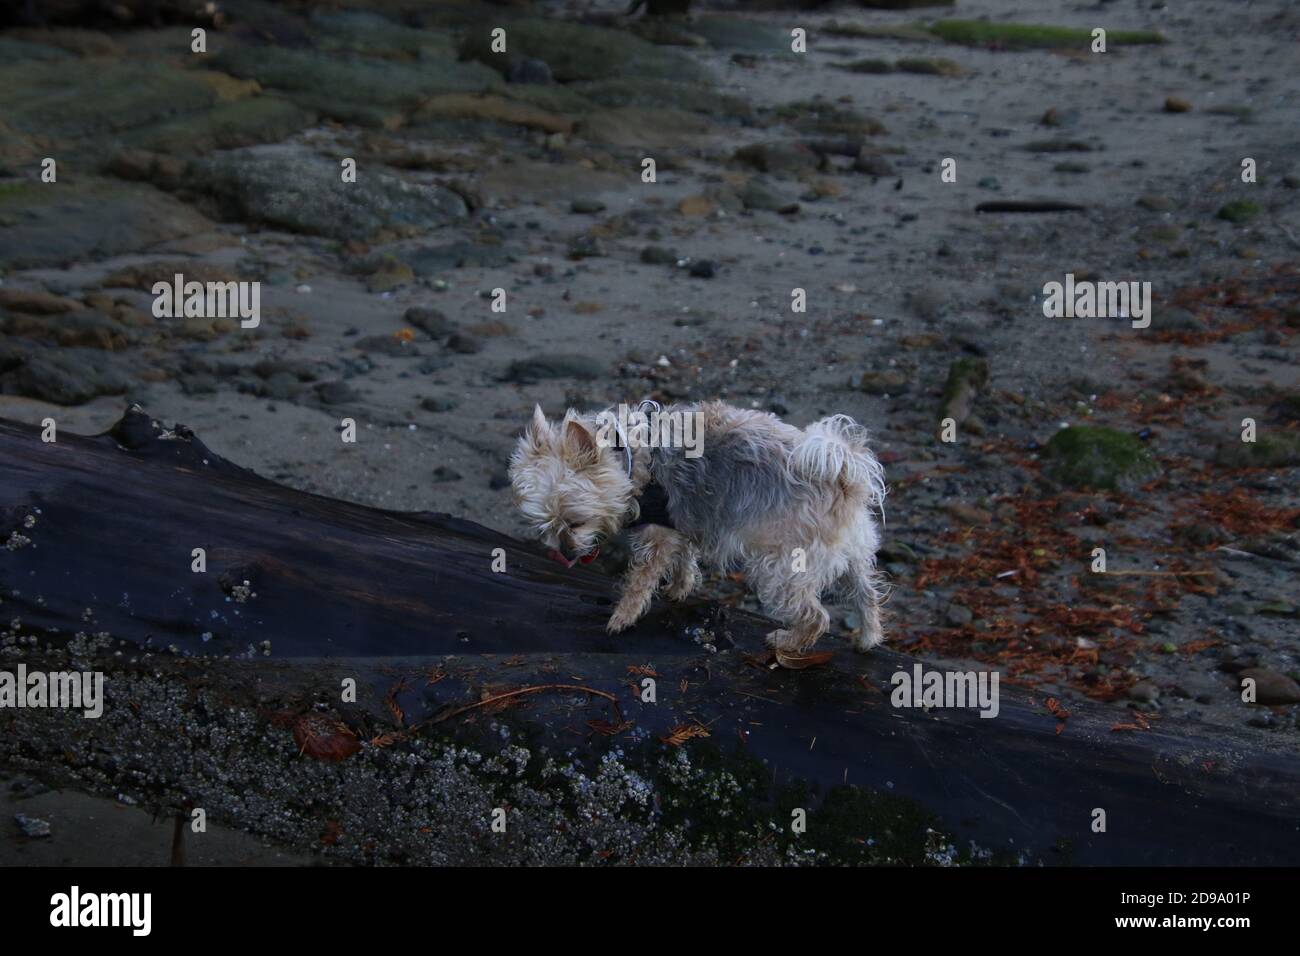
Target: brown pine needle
[[520, 692]]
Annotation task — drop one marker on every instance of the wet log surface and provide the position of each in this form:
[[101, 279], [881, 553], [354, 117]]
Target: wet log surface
[[445, 651]]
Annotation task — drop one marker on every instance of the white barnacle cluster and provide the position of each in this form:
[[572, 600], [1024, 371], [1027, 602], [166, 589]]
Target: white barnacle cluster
[[938, 850], [511, 760], [17, 541], [716, 789]]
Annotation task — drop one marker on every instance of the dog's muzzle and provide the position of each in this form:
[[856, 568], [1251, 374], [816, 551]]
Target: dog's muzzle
[[587, 558]]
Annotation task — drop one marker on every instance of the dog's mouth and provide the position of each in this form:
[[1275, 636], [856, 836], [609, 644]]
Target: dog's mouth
[[587, 558]]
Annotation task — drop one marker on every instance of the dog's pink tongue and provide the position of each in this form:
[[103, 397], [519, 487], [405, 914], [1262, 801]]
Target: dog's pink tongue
[[556, 556]]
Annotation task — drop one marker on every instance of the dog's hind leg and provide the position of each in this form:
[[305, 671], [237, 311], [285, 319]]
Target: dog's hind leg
[[654, 550], [795, 601], [685, 573], [867, 593]]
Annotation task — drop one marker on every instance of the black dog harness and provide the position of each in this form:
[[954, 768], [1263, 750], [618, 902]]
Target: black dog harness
[[653, 500]]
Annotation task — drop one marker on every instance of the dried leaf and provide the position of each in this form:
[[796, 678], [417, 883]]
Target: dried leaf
[[683, 733]]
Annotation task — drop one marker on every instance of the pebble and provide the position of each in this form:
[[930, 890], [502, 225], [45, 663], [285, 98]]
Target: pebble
[[958, 615], [32, 826]]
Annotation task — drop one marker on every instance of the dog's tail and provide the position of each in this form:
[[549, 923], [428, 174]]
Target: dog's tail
[[835, 450]]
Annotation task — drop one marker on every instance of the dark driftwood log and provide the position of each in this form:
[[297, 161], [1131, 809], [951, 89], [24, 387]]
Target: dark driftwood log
[[408, 605]]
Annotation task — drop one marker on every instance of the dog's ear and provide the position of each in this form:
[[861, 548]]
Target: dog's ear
[[579, 445], [537, 435]]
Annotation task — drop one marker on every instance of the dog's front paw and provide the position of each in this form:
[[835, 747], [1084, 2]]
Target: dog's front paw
[[792, 653], [780, 640], [620, 620], [863, 642]]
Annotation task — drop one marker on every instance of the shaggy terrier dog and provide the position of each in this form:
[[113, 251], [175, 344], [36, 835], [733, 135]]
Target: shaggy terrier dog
[[708, 482]]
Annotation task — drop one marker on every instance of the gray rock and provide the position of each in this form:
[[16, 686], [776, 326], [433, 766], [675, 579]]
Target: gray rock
[[354, 89], [658, 256], [430, 321], [255, 185], [553, 366], [1271, 688], [927, 302], [756, 195], [32, 826], [528, 69], [958, 615], [88, 219], [1144, 692], [780, 159], [65, 376], [873, 164], [749, 36], [586, 247], [464, 344], [438, 405], [282, 386], [462, 254], [337, 393], [386, 345], [575, 52]]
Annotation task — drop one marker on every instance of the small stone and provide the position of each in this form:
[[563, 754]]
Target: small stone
[[437, 404], [890, 382], [1242, 210], [658, 256], [586, 206], [528, 69], [703, 269], [464, 344], [872, 164], [1156, 203], [1144, 692], [1174, 104], [553, 366], [958, 615], [429, 321], [1271, 688], [32, 827], [586, 247], [336, 393], [386, 345]]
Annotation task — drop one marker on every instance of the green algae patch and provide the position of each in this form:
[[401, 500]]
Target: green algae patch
[[929, 66], [1098, 458], [1026, 36], [1280, 450], [1242, 210]]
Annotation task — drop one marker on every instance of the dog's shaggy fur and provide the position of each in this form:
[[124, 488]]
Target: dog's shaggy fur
[[793, 508]]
